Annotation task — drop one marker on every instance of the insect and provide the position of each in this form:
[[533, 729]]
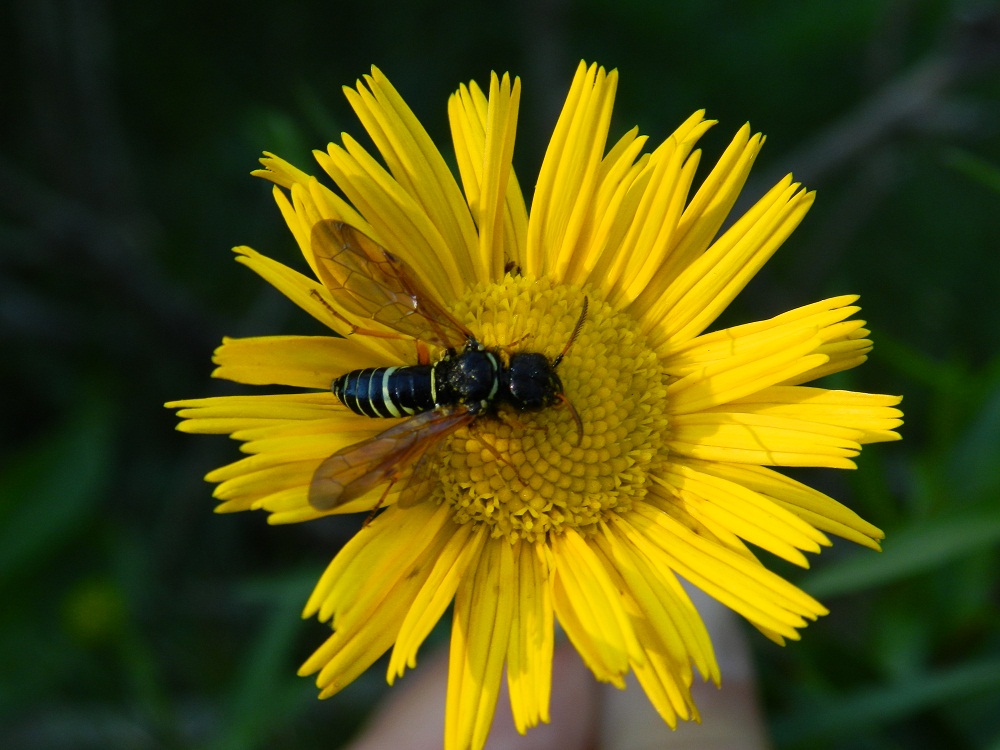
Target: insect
[[468, 381]]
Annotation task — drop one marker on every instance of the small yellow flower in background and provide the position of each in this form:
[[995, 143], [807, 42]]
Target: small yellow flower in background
[[589, 512]]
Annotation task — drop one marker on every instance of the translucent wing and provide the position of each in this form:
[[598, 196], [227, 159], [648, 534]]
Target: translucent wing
[[376, 284], [358, 468]]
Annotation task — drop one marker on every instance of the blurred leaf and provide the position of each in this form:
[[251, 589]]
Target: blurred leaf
[[853, 714], [269, 695], [940, 375], [965, 475], [50, 488], [917, 549], [974, 167], [973, 465]]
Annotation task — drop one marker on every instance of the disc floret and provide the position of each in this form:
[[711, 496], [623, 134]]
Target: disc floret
[[528, 475]]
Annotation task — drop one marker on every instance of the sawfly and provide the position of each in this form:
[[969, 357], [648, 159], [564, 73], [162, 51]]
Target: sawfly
[[467, 382]]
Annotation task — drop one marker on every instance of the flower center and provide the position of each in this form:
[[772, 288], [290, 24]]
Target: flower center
[[528, 474]]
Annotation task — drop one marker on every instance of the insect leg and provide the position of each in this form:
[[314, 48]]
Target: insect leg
[[375, 508], [516, 341], [495, 452], [576, 415]]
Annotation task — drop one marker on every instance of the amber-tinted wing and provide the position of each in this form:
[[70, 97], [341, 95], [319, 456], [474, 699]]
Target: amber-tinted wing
[[358, 468], [373, 283]]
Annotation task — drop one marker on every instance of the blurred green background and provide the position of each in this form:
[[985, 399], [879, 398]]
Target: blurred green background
[[131, 616]]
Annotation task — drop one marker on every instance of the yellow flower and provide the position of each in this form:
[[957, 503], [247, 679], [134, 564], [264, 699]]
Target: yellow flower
[[525, 518]]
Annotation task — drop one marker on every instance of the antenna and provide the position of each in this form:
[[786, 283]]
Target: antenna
[[572, 336], [555, 363]]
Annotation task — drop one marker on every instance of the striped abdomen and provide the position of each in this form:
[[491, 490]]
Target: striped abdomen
[[387, 391]]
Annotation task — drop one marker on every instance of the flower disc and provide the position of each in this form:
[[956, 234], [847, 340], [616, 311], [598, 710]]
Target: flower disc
[[529, 474]]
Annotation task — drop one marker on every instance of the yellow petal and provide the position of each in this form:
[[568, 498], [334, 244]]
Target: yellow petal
[[666, 605], [467, 116], [374, 559], [760, 439], [741, 584], [669, 675], [706, 287], [243, 486], [483, 132], [621, 182], [292, 505], [529, 654], [652, 234], [590, 609], [300, 361], [306, 205], [368, 589], [279, 171], [316, 300], [841, 355], [716, 501], [669, 629], [702, 218], [817, 509], [417, 167], [463, 549], [323, 202], [821, 319], [480, 632], [300, 289], [224, 414], [294, 497], [718, 383], [871, 417], [348, 653], [569, 171]]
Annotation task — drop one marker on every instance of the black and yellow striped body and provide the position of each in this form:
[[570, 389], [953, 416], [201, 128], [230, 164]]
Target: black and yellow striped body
[[387, 391], [470, 378]]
